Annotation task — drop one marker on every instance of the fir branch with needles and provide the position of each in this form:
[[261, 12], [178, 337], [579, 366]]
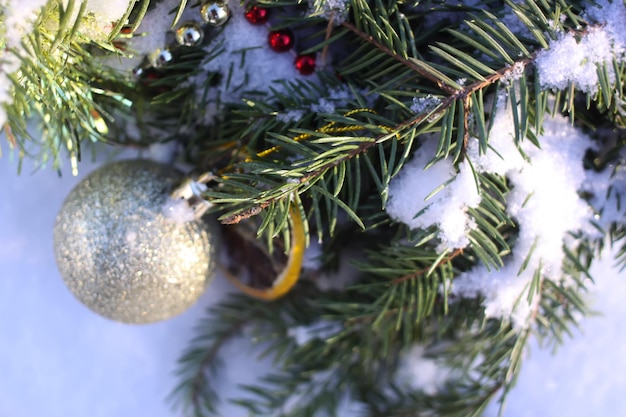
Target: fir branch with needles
[[332, 147], [456, 102], [401, 297], [54, 86]]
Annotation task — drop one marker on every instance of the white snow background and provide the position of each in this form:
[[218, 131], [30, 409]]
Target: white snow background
[[57, 358]]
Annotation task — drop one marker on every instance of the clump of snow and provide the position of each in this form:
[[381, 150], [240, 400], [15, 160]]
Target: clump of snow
[[337, 10], [411, 199], [543, 184], [571, 60], [611, 15], [544, 201], [337, 97], [290, 116], [110, 10], [178, 211], [419, 372], [319, 330], [324, 106], [515, 72], [502, 139], [99, 17], [421, 104]]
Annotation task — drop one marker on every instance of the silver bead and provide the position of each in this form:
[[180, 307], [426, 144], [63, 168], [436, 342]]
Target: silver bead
[[122, 252], [215, 13], [189, 34], [161, 57], [138, 71]]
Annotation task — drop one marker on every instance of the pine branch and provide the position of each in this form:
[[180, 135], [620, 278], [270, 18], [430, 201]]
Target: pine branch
[[269, 322], [401, 297], [53, 86], [343, 160], [470, 105], [447, 86], [194, 392]]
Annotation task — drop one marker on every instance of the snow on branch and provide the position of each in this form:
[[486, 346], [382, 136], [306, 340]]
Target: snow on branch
[[575, 58]]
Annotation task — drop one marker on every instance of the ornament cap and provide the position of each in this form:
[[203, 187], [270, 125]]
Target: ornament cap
[[191, 191]]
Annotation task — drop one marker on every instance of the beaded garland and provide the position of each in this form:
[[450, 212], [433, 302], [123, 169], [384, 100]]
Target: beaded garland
[[214, 14]]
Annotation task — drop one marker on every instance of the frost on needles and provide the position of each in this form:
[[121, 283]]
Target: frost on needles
[[465, 157]]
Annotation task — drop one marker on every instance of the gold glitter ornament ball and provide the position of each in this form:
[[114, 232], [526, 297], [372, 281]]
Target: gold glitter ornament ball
[[122, 249]]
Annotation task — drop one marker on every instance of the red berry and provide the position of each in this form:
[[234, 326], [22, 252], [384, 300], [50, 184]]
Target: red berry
[[305, 64], [280, 40], [257, 15]]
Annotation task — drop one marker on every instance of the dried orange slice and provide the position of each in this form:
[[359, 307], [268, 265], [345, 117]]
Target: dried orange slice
[[255, 271]]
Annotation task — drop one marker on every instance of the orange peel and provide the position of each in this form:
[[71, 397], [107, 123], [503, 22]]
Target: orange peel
[[291, 273]]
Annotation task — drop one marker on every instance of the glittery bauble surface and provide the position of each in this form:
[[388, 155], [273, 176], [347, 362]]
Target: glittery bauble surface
[[305, 64], [257, 15], [119, 251], [280, 40], [215, 13]]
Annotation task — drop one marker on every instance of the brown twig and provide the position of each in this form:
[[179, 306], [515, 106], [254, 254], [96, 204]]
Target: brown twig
[[406, 62], [408, 277], [329, 32], [454, 95], [467, 103], [10, 137], [246, 214], [464, 94]]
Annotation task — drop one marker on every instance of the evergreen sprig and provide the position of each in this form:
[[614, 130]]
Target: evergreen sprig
[[66, 88], [337, 167], [460, 113], [55, 87], [401, 297]]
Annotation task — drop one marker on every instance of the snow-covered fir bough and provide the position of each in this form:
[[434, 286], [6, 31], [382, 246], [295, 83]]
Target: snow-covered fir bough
[[467, 157]]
